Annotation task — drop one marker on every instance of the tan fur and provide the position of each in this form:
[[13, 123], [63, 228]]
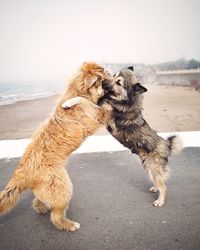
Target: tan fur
[[41, 168]]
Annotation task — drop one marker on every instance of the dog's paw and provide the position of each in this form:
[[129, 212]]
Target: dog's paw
[[158, 203], [66, 224], [153, 189], [74, 227], [71, 102]]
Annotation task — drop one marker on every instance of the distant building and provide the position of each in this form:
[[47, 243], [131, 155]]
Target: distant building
[[145, 74], [178, 77]]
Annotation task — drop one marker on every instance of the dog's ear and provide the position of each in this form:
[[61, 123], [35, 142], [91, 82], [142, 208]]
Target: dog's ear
[[90, 80], [139, 88], [131, 68]]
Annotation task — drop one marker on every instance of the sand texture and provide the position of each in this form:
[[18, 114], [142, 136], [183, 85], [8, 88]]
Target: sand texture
[[166, 108]]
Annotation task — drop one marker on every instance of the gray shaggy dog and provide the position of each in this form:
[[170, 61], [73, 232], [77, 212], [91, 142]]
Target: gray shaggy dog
[[129, 127]]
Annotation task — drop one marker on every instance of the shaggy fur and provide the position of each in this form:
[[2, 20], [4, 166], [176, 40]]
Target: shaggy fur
[[130, 128], [41, 168]]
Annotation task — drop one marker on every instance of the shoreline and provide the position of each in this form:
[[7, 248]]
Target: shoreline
[[21, 119], [29, 100], [166, 108], [57, 94]]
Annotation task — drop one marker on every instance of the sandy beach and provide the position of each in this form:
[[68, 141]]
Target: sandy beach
[[166, 108]]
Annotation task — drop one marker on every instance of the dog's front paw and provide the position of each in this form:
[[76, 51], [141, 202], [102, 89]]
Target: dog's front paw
[[71, 102]]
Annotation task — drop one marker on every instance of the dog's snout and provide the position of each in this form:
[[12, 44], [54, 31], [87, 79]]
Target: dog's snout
[[124, 94]]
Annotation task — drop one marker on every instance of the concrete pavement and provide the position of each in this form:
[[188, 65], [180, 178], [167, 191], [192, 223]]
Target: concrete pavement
[[114, 207]]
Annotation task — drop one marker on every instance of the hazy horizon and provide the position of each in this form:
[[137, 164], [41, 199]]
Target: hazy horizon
[[45, 40]]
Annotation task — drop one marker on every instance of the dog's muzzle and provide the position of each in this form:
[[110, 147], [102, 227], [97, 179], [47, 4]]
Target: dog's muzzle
[[119, 92], [124, 93]]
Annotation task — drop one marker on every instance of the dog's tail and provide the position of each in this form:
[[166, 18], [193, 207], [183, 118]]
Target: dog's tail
[[174, 144], [10, 195]]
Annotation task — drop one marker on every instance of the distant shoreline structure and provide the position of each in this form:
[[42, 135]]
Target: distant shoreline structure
[[182, 71], [186, 77]]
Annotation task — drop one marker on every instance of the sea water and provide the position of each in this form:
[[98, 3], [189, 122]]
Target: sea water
[[19, 91]]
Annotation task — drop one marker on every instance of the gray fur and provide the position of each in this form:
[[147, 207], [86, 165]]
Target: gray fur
[[130, 128]]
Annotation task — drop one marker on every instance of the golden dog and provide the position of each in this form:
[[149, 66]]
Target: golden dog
[[41, 168]]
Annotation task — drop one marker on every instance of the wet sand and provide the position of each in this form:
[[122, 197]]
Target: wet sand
[[166, 108]]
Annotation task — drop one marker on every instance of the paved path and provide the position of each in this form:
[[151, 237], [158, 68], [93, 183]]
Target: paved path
[[112, 203]]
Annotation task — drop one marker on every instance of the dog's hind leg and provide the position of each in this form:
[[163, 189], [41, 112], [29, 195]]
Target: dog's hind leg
[[60, 221], [162, 192], [59, 205], [56, 192], [158, 173], [40, 207]]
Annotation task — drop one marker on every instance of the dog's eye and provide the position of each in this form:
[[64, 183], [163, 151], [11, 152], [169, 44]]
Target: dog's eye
[[118, 82]]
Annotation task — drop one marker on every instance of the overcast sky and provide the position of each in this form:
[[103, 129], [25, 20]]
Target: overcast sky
[[45, 39]]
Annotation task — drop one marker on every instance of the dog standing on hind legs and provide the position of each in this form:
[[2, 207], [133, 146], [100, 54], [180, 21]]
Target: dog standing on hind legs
[[129, 127], [42, 167]]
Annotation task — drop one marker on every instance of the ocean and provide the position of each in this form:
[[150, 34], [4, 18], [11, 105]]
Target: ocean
[[13, 92]]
